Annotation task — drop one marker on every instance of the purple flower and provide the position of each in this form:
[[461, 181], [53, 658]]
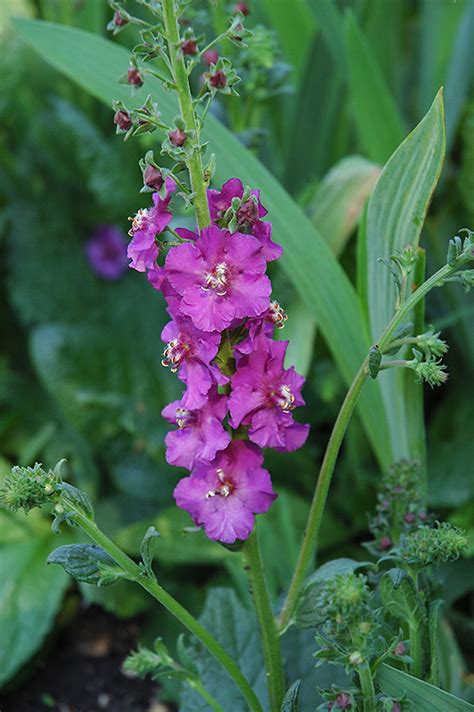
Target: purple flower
[[190, 352], [274, 316], [225, 495], [221, 277], [107, 252], [200, 433], [147, 223], [263, 396], [248, 214]]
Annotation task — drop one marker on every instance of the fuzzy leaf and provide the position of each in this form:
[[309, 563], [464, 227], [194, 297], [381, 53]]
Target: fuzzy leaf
[[83, 562], [290, 703]]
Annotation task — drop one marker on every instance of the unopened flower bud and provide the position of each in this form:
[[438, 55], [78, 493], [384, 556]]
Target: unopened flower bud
[[400, 648], [189, 47], [356, 658], [177, 137], [365, 627], [385, 542], [396, 707], [123, 120], [152, 178], [134, 77], [242, 7], [119, 20], [218, 80], [210, 57], [410, 517], [343, 701]]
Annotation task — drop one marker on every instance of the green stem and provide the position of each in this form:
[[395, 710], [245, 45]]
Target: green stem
[[416, 649], [185, 100], [268, 631], [308, 547], [135, 573], [211, 701], [367, 687]]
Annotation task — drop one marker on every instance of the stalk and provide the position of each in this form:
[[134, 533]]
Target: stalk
[[416, 649], [136, 574], [268, 630], [185, 101], [308, 547], [367, 687]]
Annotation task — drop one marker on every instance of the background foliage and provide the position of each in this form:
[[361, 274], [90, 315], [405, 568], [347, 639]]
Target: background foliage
[[80, 372]]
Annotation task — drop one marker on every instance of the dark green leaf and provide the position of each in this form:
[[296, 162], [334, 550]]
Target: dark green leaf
[[290, 703], [78, 499], [423, 696], [400, 598], [87, 563], [433, 624]]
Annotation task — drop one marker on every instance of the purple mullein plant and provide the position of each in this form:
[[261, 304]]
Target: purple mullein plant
[[218, 296], [106, 251]]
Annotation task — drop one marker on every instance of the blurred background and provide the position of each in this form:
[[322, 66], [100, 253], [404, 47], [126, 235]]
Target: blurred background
[[80, 349]]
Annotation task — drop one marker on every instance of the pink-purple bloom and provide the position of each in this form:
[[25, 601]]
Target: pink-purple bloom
[[146, 225], [220, 343], [220, 278], [263, 396], [107, 252], [190, 352], [200, 434], [223, 496]]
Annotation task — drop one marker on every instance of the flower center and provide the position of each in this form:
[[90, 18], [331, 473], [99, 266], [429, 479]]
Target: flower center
[[184, 418], [284, 398], [276, 315], [139, 222], [174, 354], [217, 279], [226, 487]]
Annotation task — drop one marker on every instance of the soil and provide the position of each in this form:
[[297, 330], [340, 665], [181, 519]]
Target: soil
[[82, 672]]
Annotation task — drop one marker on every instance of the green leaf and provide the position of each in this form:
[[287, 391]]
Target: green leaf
[[400, 598], [30, 592], [379, 124], [459, 73], [423, 696], [317, 276], [146, 548], [236, 629], [87, 563], [395, 215], [290, 703]]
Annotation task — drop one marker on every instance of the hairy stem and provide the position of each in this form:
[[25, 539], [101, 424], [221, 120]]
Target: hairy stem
[[268, 631], [185, 100], [309, 544], [416, 648], [135, 573], [367, 687]]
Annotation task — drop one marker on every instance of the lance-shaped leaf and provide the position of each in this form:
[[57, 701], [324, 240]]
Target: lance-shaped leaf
[[290, 703], [423, 696], [400, 598]]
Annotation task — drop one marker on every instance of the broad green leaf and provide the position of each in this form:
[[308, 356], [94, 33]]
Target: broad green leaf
[[84, 562], [30, 592], [330, 24], [395, 216], [236, 629], [423, 696], [400, 598], [379, 124], [317, 276]]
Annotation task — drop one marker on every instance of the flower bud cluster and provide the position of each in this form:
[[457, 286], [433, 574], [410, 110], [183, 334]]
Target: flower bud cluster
[[400, 507], [433, 545], [239, 397], [29, 487]]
